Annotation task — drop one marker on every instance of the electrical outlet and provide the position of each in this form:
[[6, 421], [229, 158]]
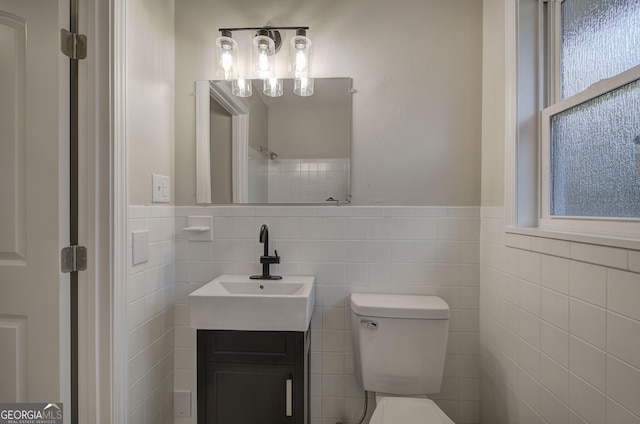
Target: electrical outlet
[[182, 404], [140, 246], [161, 188]]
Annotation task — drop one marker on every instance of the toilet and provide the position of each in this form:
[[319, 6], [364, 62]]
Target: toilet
[[400, 345]]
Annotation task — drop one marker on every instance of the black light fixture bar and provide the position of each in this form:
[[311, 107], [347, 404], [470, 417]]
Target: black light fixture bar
[[264, 27]]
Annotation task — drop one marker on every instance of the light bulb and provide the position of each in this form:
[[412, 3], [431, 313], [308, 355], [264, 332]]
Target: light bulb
[[301, 63], [264, 50], [241, 87], [300, 55], [272, 87], [303, 87], [226, 52], [226, 62], [263, 62]]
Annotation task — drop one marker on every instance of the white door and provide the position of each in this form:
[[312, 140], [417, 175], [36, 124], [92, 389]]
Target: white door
[[34, 111]]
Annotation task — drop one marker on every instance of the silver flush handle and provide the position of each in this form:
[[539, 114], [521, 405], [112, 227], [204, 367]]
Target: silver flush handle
[[368, 324]]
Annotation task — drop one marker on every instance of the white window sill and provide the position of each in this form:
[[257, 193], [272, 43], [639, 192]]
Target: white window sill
[[616, 252]]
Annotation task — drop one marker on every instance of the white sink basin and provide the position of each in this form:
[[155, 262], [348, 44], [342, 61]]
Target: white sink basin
[[263, 288], [235, 302]]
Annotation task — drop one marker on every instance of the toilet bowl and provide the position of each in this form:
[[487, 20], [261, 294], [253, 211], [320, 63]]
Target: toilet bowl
[[403, 410], [399, 350]]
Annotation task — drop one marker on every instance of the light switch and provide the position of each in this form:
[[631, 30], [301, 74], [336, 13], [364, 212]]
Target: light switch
[[182, 404], [140, 246], [161, 188]]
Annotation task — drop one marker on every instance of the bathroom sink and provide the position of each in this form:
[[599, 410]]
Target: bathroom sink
[[235, 302], [263, 288]]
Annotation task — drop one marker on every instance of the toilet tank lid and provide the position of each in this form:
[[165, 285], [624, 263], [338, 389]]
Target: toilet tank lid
[[399, 306]]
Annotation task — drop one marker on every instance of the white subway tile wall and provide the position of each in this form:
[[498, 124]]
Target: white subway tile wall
[[296, 180], [406, 250], [573, 355], [258, 177], [150, 316], [307, 180]]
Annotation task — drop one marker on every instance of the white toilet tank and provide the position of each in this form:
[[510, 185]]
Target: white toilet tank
[[400, 342]]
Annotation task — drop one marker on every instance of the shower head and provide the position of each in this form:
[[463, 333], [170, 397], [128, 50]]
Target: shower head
[[270, 155]]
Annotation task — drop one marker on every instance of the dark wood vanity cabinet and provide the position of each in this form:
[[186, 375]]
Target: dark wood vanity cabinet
[[253, 377]]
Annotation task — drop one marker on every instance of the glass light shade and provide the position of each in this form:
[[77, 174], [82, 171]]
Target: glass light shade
[[272, 87], [303, 87], [241, 87], [264, 50], [227, 57], [300, 57]]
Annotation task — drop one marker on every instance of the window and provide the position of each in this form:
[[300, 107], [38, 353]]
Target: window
[[578, 75], [593, 150]]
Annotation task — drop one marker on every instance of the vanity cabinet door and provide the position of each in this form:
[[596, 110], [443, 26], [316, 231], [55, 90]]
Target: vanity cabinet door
[[247, 377], [249, 393]]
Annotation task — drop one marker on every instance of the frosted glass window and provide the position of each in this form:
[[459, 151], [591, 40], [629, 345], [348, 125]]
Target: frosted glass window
[[595, 156], [600, 39]]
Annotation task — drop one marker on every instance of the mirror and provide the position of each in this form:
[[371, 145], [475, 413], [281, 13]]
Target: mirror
[[261, 149]]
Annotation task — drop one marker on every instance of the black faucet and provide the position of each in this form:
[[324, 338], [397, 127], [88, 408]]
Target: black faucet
[[265, 259]]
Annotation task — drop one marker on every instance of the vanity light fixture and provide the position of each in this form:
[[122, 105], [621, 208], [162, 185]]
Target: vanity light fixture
[[241, 87], [303, 87], [265, 45], [227, 55], [300, 55], [264, 52], [272, 87]]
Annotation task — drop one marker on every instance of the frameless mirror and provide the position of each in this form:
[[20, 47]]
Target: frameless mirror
[[261, 149]]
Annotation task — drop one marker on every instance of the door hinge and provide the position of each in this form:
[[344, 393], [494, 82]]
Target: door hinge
[[73, 258], [73, 45]]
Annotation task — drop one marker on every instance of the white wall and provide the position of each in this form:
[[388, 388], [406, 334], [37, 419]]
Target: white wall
[[150, 93], [559, 329], [403, 250], [559, 321], [310, 132], [493, 106], [149, 139], [258, 177], [150, 318], [415, 64], [220, 153], [308, 181]]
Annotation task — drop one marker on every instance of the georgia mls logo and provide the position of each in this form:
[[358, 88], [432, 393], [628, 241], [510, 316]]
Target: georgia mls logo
[[30, 413]]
